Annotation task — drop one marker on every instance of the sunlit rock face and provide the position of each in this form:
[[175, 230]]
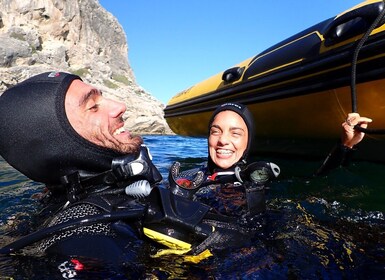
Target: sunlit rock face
[[77, 36]]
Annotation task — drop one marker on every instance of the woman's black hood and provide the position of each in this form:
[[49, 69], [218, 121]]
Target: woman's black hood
[[36, 136], [247, 116]]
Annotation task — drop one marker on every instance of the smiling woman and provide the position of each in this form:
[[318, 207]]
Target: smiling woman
[[228, 181], [231, 131], [228, 139]]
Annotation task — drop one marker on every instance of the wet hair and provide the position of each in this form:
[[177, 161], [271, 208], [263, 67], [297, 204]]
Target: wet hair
[[247, 117], [36, 136]]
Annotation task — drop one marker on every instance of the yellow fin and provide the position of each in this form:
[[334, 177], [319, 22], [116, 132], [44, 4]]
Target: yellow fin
[[166, 240], [196, 259]]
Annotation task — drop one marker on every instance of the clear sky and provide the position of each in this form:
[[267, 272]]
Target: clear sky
[[174, 44]]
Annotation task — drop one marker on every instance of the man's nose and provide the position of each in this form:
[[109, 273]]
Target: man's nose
[[117, 108]]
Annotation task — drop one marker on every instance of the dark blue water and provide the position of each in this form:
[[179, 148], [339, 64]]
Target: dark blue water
[[316, 228]]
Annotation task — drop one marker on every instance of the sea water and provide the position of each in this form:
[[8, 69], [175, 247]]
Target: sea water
[[330, 227]]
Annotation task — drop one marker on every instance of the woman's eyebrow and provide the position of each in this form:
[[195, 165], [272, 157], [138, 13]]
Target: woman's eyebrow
[[89, 95], [215, 126], [231, 128], [236, 128]]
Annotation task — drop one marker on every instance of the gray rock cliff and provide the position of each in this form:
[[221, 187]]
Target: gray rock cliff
[[77, 36]]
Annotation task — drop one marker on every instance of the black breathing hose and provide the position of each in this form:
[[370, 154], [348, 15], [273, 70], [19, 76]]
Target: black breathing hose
[[354, 66], [84, 221]]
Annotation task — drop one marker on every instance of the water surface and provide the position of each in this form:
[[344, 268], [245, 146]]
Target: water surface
[[329, 227]]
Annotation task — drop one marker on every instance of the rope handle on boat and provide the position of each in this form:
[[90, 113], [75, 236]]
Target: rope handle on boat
[[354, 73]]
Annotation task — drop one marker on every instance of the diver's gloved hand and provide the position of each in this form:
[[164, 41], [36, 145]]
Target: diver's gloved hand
[[258, 172], [127, 167], [184, 184], [224, 236]]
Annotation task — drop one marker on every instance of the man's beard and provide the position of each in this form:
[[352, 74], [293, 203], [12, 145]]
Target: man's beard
[[129, 148]]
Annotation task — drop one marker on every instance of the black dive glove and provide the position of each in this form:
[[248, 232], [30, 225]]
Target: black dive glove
[[340, 155]]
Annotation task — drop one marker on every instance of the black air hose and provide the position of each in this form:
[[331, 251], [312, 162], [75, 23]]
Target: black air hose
[[354, 66]]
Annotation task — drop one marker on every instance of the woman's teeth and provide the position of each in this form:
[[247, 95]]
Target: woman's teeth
[[223, 152]]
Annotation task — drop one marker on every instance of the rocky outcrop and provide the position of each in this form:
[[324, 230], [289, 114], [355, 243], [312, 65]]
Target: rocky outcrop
[[77, 36]]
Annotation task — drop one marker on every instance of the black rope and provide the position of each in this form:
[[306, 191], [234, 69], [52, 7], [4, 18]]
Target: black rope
[[368, 130], [354, 71]]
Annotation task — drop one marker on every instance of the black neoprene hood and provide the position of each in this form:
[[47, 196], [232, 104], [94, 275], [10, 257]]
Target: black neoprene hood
[[248, 118], [36, 136]]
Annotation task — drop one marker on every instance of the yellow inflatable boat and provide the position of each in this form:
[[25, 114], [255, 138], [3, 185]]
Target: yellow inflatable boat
[[300, 90]]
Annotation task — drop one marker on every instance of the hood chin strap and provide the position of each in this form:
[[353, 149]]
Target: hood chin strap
[[124, 170]]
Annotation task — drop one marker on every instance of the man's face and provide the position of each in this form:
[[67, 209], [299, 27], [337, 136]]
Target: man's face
[[228, 139], [99, 119]]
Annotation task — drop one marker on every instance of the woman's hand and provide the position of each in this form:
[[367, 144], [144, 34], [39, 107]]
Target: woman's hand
[[350, 136]]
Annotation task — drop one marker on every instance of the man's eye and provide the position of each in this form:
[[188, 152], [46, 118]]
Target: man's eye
[[94, 108]]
